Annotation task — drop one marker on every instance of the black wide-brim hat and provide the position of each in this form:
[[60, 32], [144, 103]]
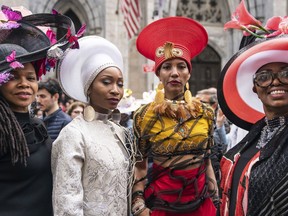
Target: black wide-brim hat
[[32, 39], [235, 95]]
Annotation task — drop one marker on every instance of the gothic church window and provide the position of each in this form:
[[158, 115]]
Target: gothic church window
[[201, 10]]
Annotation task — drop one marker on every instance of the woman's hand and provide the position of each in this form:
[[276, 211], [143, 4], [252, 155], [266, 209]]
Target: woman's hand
[[146, 212], [220, 119]]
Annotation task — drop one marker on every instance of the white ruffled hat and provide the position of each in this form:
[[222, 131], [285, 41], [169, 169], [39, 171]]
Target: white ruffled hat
[[79, 67]]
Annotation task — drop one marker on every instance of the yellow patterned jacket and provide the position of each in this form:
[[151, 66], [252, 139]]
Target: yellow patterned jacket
[[168, 135]]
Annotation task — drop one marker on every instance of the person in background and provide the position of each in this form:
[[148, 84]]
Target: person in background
[[175, 130], [25, 146], [48, 101], [92, 158], [127, 106], [75, 109], [235, 135], [38, 113], [209, 96], [255, 171]]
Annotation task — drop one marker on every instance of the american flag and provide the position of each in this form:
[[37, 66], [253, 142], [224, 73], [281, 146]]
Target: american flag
[[132, 14]]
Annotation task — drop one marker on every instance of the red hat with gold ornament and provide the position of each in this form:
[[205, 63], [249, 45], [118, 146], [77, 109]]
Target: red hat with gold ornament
[[172, 37]]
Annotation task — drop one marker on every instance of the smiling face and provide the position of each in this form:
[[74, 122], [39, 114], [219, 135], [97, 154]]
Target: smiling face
[[174, 74], [275, 96], [106, 90], [20, 91]]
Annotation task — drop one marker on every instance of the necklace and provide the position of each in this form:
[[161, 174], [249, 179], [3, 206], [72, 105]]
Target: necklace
[[272, 128], [178, 108]]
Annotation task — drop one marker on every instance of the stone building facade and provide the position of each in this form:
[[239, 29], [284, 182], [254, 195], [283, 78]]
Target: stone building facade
[[104, 18]]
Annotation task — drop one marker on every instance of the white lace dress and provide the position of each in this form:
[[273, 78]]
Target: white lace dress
[[91, 170]]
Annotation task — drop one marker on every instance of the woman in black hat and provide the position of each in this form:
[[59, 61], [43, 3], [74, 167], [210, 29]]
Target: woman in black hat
[[253, 94], [25, 147]]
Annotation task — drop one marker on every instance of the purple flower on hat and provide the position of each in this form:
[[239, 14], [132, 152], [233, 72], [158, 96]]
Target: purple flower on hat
[[4, 77], [73, 39], [11, 18], [55, 12], [12, 58]]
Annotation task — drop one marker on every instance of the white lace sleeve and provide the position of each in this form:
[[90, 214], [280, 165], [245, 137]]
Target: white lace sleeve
[[67, 162]]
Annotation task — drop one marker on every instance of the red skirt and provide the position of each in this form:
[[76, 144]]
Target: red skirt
[[173, 183]]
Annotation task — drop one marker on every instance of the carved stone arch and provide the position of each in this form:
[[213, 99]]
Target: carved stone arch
[[84, 11], [207, 11]]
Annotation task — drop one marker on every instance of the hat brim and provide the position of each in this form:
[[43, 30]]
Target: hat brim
[[179, 30], [70, 68], [29, 36], [235, 95]]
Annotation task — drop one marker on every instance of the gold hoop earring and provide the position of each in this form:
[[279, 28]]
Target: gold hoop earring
[[89, 113], [159, 97], [188, 94]]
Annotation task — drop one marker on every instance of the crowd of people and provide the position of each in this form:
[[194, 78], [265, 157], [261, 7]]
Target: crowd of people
[[80, 144]]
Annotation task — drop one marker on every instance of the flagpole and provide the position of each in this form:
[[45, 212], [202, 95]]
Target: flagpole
[[117, 8]]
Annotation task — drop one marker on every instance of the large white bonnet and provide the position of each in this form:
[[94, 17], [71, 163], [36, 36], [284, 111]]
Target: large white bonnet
[[79, 67]]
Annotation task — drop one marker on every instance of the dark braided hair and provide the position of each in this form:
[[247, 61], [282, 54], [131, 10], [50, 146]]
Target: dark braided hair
[[12, 136]]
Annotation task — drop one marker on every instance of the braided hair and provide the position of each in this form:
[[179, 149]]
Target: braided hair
[[12, 137]]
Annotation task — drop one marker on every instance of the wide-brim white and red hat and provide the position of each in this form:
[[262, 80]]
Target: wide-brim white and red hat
[[79, 67], [172, 37], [235, 95]]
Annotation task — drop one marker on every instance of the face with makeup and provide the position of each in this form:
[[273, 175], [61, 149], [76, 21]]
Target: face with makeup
[[21, 89], [106, 90], [174, 74]]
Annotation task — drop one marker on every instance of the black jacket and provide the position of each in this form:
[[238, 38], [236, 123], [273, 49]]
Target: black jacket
[[27, 191]]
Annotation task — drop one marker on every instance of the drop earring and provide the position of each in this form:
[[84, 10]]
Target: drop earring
[[89, 113], [188, 94], [159, 97]]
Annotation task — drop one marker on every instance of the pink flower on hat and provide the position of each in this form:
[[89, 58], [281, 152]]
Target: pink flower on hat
[[278, 24], [243, 20], [73, 39], [12, 59], [10, 18], [51, 35]]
